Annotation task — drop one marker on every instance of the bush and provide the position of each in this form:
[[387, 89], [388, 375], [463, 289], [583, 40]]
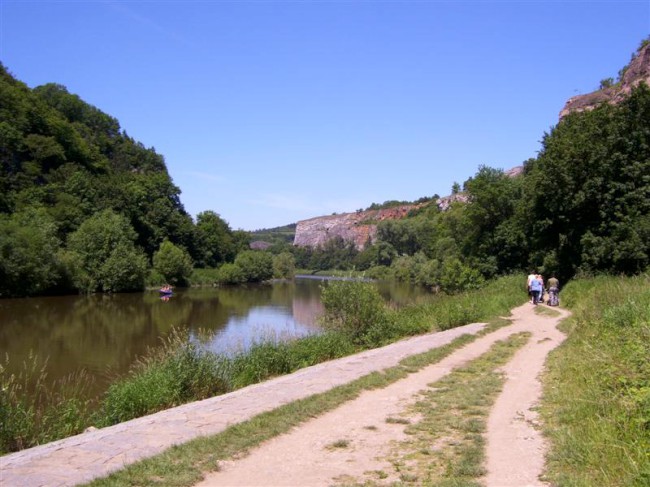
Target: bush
[[256, 266], [353, 307], [284, 266], [456, 276], [174, 263], [230, 274]]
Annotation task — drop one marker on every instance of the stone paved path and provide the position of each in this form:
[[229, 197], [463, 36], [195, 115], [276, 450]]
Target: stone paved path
[[95, 454]]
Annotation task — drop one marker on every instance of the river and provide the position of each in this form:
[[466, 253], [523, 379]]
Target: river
[[105, 334]]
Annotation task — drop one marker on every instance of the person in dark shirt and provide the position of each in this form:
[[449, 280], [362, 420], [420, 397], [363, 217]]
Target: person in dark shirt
[[553, 291]]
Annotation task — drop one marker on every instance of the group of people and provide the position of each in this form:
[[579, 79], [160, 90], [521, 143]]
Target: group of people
[[535, 286]]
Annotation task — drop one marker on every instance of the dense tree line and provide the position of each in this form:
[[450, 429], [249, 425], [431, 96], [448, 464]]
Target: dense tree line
[[84, 207], [581, 207]]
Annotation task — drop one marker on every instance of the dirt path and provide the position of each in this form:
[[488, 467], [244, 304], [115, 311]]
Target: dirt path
[[355, 442]]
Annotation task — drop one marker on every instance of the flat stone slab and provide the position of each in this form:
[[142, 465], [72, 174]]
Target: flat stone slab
[[94, 454]]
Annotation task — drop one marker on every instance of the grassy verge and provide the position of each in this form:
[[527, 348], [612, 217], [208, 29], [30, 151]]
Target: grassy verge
[[185, 464], [180, 372], [602, 435]]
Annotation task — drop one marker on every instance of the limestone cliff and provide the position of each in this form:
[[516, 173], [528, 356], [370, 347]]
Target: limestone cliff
[[636, 72], [359, 227]]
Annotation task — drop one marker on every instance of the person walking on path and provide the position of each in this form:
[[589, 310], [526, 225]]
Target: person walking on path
[[536, 288], [553, 291], [529, 280]]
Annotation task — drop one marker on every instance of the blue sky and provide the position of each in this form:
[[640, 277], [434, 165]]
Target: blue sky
[[270, 112]]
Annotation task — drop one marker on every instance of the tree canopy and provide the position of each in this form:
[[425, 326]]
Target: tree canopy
[[85, 207], [68, 162]]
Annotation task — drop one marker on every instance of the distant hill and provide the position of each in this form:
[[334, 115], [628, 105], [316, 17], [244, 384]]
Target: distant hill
[[283, 234], [361, 227]]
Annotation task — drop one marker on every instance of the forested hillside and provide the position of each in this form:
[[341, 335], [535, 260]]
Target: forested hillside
[[582, 206], [83, 206]]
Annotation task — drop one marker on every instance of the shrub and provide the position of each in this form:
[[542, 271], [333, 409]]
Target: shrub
[[284, 266], [230, 274], [353, 307], [173, 262], [256, 266], [456, 276]]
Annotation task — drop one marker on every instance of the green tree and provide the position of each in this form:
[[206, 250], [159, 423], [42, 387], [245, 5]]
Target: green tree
[[256, 266], [336, 253], [402, 235], [589, 190], [28, 253], [284, 265], [606, 83], [101, 255], [214, 241], [173, 263], [490, 241]]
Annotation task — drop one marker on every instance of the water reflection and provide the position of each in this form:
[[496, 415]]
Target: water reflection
[[104, 334]]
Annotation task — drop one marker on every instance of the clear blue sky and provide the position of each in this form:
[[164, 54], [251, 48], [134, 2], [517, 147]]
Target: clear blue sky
[[270, 112]]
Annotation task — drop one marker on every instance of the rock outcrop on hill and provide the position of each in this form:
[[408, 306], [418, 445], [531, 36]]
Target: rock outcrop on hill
[[359, 227], [636, 72]]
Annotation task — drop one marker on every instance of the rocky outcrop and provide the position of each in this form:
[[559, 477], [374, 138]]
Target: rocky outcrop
[[359, 227], [445, 202], [636, 72]]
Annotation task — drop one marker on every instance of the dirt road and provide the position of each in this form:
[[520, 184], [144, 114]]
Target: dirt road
[[355, 443]]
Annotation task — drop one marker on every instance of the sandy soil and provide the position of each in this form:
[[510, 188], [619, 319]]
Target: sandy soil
[[354, 442]]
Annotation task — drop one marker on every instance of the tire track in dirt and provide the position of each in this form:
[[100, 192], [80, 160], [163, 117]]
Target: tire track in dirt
[[355, 439]]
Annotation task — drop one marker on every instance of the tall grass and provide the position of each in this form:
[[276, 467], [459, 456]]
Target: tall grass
[[177, 372], [180, 371], [266, 359], [32, 412], [601, 436], [442, 312]]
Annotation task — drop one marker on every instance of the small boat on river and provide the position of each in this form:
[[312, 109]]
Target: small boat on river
[[166, 291]]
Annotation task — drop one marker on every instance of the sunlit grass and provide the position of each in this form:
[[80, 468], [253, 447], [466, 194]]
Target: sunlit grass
[[601, 436]]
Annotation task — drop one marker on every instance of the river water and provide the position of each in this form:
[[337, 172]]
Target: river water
[[105, 334]]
